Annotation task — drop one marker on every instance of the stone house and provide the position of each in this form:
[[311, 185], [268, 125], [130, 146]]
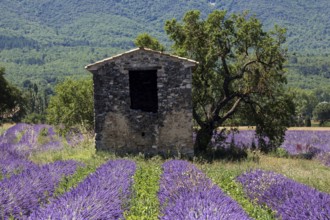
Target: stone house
[[143, 103]]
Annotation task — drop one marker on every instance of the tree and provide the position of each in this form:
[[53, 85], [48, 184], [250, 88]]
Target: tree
[[72, 104], [240, 72], [11, 99], [305, 101], [308, 122], [322, 112], [144, 40]]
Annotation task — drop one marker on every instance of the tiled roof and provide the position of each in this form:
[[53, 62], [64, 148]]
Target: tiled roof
[[96, 65]]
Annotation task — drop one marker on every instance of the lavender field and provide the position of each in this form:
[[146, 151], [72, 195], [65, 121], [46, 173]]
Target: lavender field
[[304, 143], [44, 175]]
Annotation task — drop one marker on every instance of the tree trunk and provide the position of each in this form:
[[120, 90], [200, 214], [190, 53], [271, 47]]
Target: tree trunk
[[203, 138]]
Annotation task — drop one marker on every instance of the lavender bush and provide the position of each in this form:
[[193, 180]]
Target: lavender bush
[[11, 162], [290, 199], [296, 142], [25, 192], [102, 195], [186, 193], [241, 139], [20, 141], [306, 142], [14, 151], [25, 139], [74, 137], [11, 135]]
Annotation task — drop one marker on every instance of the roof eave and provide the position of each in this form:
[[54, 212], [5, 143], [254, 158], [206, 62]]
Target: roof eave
[[95, 66]]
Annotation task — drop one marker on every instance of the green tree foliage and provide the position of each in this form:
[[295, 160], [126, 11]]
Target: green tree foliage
[[306, 101], [37, 102], [145, 40], [240, 71], [11, 99], [72, 104], [322, 112], [308, 122]]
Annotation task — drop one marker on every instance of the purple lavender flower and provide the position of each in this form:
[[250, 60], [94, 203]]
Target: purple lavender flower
[[102, 195], [18, 142], [25, 192], [309, 144], [24, 139], [291, 200], [297, 142], [74, 138], [186, 193], [30, 141], [12, 163], [12, 133]]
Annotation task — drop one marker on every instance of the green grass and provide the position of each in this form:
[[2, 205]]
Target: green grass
[[144, 203], [2, 130], [85, 152], [309, 172], [4, 127], [72, 181]]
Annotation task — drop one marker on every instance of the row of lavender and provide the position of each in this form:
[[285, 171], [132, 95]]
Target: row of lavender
[[312, 144], [104, 194], [186, 193], [27, 190], [22, 193], [18, 142], [21, 140], [24, 185], [290, 200]]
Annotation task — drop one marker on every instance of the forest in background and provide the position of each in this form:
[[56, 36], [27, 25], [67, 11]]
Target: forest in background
[[44, 42]]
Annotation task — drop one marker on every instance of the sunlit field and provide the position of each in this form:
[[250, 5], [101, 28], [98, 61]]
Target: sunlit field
[[44, 175]]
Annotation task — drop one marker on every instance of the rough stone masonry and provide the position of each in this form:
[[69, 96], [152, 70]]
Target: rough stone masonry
[[143, 103]]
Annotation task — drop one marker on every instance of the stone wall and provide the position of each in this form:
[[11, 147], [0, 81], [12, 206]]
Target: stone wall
[[121, 129]]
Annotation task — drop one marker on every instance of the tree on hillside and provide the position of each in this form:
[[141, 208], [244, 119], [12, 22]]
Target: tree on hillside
[[72, 104], [37, 97], [240, 72], [322, 112], [11, 99], [144, 40]]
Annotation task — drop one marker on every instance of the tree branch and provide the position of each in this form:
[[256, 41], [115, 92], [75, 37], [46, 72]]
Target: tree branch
[[243, 70], [197, 118], [223, 102], [220, 120], [225, 66]]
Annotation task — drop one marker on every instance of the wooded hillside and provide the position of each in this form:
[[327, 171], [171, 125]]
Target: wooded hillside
[[45, 41]]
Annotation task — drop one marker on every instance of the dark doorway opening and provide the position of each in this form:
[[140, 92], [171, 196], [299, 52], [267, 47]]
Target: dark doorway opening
[[143, 90]]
